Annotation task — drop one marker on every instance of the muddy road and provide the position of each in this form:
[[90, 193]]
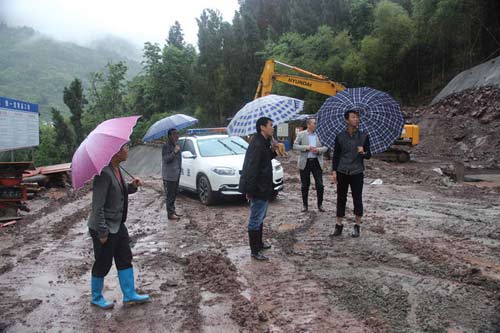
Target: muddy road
[[428, 260]]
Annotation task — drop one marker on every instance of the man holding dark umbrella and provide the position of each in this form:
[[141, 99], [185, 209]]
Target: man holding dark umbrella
[[339, 126], [352, 147], [171, 171]]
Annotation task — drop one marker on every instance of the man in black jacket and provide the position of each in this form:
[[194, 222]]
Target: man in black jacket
[[256, 182], [171, 163], [352, 147]]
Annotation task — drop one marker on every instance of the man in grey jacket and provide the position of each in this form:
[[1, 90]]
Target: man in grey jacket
[[109, 233], [352, 147], [171, 172], [310, 161]]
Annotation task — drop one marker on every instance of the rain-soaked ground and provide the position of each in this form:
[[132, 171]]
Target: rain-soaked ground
[[428, 260]]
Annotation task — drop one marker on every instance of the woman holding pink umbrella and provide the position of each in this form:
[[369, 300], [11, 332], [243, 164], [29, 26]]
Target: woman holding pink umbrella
[[100, 155]]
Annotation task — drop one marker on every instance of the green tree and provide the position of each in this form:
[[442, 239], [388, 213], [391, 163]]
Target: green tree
[[64, 137], [177, 71], [107, 95], [176, 36], [361, 18], [47, 153], [75, 100], [383, 50], [168, 77], [211, 92]]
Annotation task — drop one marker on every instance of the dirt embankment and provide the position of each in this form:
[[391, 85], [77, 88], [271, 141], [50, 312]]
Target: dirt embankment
[[462, 127]]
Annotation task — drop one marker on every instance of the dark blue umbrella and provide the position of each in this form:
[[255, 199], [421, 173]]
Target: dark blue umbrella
[[160, 128], [380, 117]]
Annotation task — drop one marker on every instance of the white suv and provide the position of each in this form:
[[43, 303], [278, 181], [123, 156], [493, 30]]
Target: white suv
[[211, 166]]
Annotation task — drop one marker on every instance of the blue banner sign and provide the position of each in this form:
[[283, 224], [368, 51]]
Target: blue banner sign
[[18, 124]]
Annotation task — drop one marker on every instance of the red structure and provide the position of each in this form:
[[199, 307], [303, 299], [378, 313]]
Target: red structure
[[13, 194]]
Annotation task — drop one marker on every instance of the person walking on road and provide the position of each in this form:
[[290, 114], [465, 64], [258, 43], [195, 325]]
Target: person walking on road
[[352, 147], [310, 161], [171, 172], [256, 182], [109, 234]]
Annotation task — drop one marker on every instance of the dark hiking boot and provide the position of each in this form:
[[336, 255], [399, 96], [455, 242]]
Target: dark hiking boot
[[255, 246], [304, 209], [321, 209], [338, 230], [259, 256], [355, 231]]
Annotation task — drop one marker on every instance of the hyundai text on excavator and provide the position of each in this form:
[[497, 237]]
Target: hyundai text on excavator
[[321, 84]]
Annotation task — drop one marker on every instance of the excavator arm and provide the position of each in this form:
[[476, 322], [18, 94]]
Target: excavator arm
[[317, 83]]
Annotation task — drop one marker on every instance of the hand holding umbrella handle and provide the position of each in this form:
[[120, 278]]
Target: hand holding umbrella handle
[[334, 177], [135, 180], [274, 143]]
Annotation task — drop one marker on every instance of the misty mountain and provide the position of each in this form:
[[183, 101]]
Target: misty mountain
[[120, 46], [36, 68]]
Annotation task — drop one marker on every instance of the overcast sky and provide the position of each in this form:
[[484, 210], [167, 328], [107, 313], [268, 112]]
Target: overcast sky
[[85, 20]]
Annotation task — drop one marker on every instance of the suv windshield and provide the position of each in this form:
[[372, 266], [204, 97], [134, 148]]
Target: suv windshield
[[232, 145]]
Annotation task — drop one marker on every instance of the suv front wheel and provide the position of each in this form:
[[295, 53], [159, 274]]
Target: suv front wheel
[[207, 197]]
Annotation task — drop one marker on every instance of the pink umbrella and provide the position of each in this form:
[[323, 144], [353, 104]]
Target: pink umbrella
[[96, 151]]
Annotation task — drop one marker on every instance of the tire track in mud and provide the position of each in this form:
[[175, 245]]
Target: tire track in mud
[[439, 262], [288, 238], [214, 272], [385, 254], [30, 232], [314, 244], [214, 280], [61, 228], [16, 308], [39, 271], [285, 303]]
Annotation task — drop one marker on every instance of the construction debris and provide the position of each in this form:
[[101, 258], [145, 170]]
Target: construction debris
[[12, 192], [463, 127]]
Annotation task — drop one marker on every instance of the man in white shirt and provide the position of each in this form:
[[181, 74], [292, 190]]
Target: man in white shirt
[[310, 161]]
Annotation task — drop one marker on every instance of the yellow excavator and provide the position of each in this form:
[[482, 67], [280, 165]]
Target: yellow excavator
[[321, 84]]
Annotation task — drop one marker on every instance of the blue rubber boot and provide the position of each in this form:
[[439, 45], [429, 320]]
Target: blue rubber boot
[[96, 285], [130, 296]]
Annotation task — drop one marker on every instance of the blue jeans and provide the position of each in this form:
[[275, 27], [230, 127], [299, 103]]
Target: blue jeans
[[258, 210]]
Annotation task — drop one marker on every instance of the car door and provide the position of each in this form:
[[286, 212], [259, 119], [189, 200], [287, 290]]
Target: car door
[[182, 179], [188, 177]]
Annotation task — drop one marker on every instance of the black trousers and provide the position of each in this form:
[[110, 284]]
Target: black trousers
[[117, 247], [171, 189], [356, 184], [312, 166]]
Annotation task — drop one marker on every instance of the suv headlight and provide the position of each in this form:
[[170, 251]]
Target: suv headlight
[[278, 167], [222, 171]]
